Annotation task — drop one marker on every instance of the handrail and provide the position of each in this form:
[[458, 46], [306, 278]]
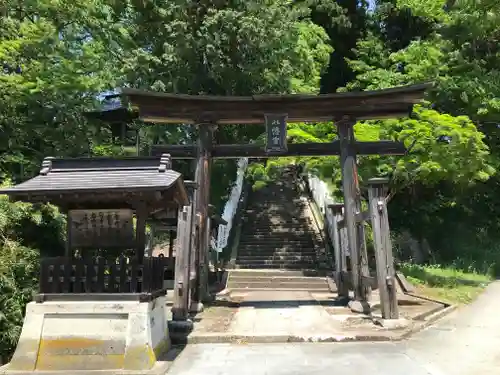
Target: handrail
[[322, 198], [231, 208], [234, 236]]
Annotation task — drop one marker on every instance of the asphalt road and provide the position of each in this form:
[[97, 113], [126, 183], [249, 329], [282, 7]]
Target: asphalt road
[[467, 342]]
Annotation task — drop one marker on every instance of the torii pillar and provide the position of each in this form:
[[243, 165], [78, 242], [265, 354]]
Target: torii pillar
[[352, 209], [201, 202]]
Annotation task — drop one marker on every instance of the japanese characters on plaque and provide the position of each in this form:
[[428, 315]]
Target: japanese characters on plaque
[[276, 133], [101, 228]]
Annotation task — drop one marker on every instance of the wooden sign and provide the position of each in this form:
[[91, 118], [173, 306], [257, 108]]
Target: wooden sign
[[101, 228], [276, 133]]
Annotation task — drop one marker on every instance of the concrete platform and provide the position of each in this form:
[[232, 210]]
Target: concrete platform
[[299, 316], [89, 336]]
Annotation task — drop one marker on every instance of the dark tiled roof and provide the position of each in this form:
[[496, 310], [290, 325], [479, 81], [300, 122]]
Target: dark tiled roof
[[99, 175]]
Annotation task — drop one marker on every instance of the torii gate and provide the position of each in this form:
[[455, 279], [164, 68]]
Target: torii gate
[[208, 112]]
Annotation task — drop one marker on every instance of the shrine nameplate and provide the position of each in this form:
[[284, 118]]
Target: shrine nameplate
[[276, 133], [101, 228]]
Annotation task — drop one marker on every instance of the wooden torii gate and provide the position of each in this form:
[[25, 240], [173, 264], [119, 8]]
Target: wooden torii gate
[[208, 112]]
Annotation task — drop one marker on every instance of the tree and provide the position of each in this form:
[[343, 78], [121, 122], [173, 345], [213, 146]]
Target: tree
[[52, 70], [24, 229], [454, 47]]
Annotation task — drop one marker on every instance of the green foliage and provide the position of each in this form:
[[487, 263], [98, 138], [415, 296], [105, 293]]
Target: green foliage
[[257, 185], [26, 232], [439, 275], [223, 175], [18, 280], [447, 284], [52, 70], [464, 160]]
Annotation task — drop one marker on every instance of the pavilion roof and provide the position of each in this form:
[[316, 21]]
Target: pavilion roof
[[85, 176], [161, 107]]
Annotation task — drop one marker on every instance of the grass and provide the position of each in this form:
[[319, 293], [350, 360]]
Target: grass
[[444, 283]]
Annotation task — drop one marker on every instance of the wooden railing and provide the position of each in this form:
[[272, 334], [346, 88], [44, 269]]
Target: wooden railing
[[64, 278]]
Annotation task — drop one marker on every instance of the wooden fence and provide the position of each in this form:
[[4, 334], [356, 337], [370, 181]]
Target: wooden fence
[[70, 276]]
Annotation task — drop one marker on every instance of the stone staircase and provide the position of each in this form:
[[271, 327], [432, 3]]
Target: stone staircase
[[280, 245]]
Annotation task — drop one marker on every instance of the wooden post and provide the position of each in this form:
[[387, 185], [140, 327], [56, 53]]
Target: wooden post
[[366, 289], [340, 252], [351, 194], [140, 233], [196, 300], [171, 244], [202, 201], [344, 245], [349, 187], [68, 248], [181, 283], [150, 241], [386, 276]]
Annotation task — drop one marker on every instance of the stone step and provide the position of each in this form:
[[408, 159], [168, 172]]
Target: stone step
[[259, 241], [273, 242], [266, 228], [281, 209], [286, 212], [278, 249], [277, 229], [235, 277], [271, 250], [248, 289], [276, 206], [291, 218], [284, 258], [282, 237], [270, 241], [288, 200], [290, 234], [276, 221], [284, 208], [281, 232], [262, 228], [277, 237], [252, 243], [244, 256], [265, 249], [263, 258], [279, 252], [259, 273], [277, 285], [278, 265]]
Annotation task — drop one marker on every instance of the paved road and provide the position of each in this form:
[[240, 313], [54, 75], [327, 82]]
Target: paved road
[[467, 342]]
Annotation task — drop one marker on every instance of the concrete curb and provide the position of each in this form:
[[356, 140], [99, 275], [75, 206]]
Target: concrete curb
[[432, 318], [160, 369], [274, 339]]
